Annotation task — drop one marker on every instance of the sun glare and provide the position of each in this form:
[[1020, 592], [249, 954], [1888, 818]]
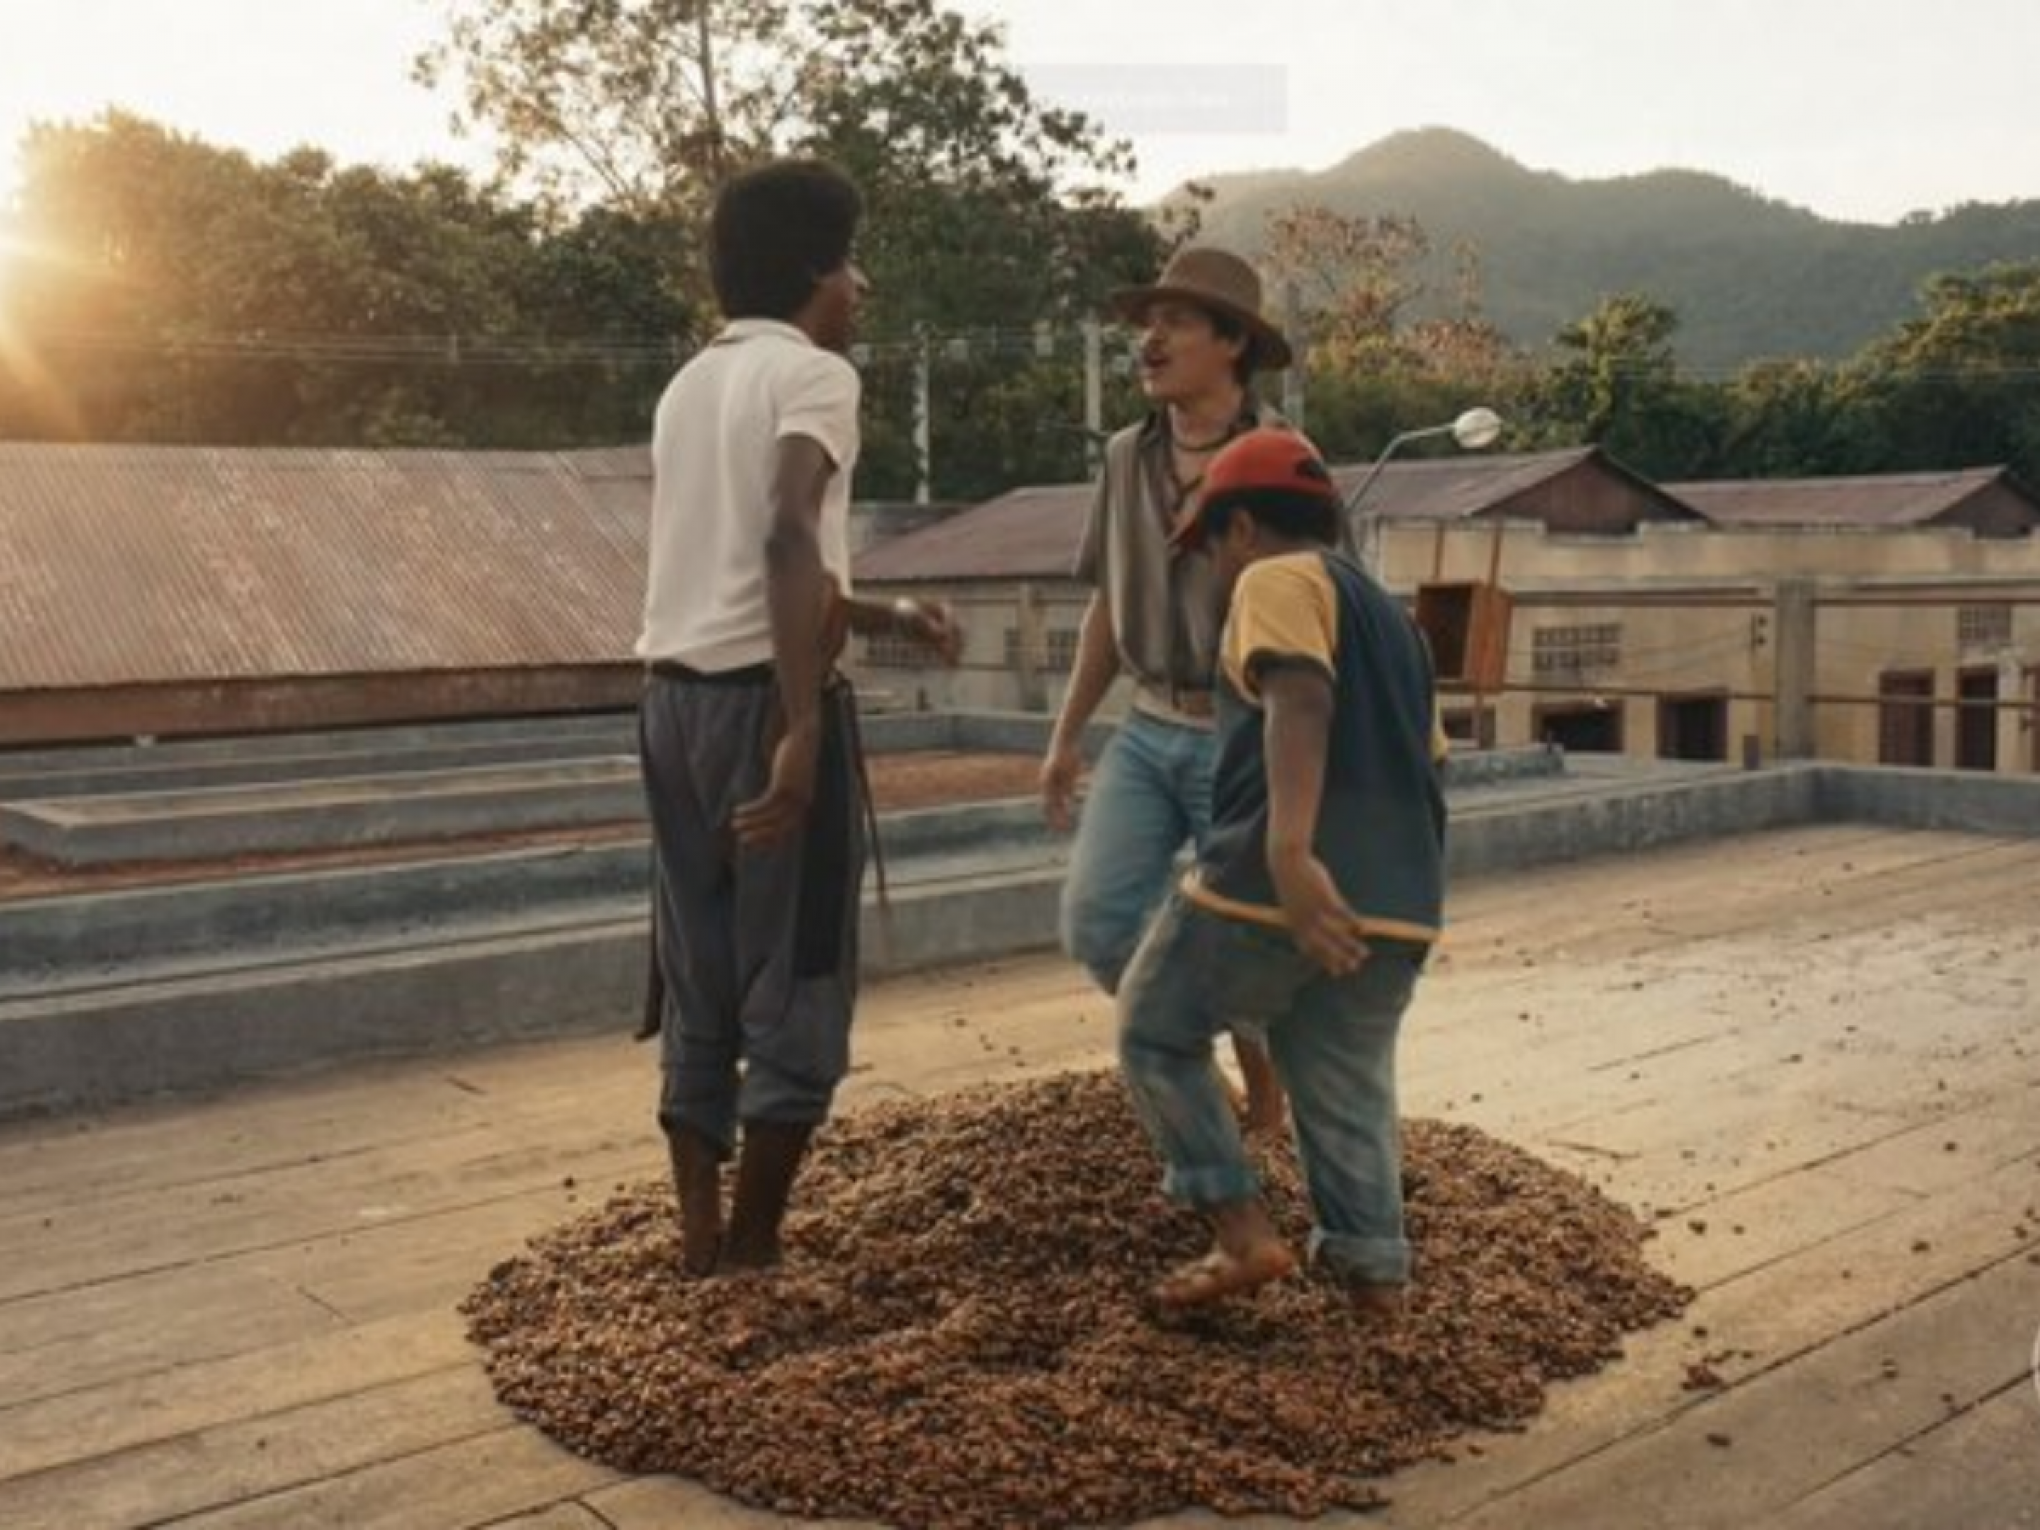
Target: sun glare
[[22, 371], [21, 252], [14, 253]]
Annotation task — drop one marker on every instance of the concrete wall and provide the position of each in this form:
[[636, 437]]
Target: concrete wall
[[203, 987], [294, 704], [1930, 799], [183, 764]]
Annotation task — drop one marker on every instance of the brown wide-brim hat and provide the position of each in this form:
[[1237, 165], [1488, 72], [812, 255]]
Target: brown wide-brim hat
[[1219, 281]]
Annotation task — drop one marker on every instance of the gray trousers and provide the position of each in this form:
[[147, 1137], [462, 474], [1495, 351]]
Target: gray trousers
[[757, 948]]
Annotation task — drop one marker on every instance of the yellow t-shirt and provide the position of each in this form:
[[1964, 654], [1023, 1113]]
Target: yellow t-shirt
[[1285, 610]]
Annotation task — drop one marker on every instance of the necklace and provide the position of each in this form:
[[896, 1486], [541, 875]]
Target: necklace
[[1199, 448]]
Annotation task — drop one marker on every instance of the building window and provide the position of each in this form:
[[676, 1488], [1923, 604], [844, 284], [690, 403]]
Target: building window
[[1976, 724], [1905, 717], [1579, 727], [1574, 650], [1692, 727], [1059, 646], [1983, 626], [888, 650]]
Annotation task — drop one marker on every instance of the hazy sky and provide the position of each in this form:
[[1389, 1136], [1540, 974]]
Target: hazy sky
[[1856, 108]]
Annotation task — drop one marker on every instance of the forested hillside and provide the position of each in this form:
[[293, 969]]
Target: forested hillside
[[1750, 278]]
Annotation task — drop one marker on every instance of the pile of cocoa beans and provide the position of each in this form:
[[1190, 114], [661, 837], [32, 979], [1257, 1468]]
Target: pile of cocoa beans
[[962, 1334]]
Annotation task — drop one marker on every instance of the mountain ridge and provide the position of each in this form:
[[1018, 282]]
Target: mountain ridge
[[1750, 276]]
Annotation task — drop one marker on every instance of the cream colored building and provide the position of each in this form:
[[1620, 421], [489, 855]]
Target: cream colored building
[[1898, 617], [1672, 641]]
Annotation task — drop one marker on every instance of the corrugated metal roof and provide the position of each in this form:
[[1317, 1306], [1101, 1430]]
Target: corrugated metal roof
[[1022, 534], [138, 564], [1033, 533], [1459, 488], [1879, 500]]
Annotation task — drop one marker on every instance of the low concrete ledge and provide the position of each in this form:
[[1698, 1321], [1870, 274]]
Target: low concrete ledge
[[208, 822], [47, 940], [1511, 835], [194, 802], [1027, 733], [85, 936], [204, 1034], [1493, 767], [974, 885], [146, 776], [1968, 801], [974, 732], [100, 1045], [421, 785], [968, 918], [181, 763]]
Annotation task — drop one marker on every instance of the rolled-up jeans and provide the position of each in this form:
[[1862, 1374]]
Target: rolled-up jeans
[[1198, 973], [1149, 797]]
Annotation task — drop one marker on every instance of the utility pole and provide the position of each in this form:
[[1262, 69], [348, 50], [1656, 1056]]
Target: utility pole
[[923, 466], [711, 102], [1094, 393], [1030, 651], [1293, 380]]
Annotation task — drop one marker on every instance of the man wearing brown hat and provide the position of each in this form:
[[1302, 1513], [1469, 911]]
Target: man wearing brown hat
[[1154, 616]]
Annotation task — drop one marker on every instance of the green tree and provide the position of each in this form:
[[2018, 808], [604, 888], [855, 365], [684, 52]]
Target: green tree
[[1616, 384], [1350, 281], [192, 294], [1376, 364], [982, 198], [1959, 386], [1792, 419], [988, 211]]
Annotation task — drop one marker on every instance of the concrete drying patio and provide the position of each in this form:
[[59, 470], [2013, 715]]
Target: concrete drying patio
[[1810, 1054], [137, 978]]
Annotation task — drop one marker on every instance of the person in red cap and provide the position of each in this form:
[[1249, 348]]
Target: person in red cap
[[1315, 897], [1152, 618]]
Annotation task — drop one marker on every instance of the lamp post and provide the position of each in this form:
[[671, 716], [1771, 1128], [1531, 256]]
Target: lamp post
[[1475, 430]]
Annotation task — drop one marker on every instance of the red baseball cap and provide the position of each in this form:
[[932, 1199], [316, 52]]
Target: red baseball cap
[[1268, 460]]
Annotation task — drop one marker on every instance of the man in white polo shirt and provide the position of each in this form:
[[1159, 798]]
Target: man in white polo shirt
[[747, 735]]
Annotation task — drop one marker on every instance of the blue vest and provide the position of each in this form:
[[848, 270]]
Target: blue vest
[[1381, 824]]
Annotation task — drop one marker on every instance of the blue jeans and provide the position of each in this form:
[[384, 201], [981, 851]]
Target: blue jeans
[[1149, 796], [1333, 1042]]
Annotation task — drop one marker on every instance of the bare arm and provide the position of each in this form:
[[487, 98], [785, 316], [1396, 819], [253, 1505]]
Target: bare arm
[[1096, 667], [933, 624], [1297, 704], [798, 594]]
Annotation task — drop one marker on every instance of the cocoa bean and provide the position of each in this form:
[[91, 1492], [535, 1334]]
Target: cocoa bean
[[962, 1336]]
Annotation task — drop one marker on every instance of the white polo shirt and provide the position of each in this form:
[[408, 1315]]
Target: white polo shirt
[[714, 439]]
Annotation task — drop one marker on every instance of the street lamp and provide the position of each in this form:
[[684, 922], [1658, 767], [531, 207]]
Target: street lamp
[[1475, 430]]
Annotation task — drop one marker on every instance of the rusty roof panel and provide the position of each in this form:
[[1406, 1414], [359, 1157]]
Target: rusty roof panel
[[1877, 500], [1023, 534], [138, 564], [1033, 533]]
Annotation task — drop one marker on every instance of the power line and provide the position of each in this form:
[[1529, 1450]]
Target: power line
[[1043, 342]]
